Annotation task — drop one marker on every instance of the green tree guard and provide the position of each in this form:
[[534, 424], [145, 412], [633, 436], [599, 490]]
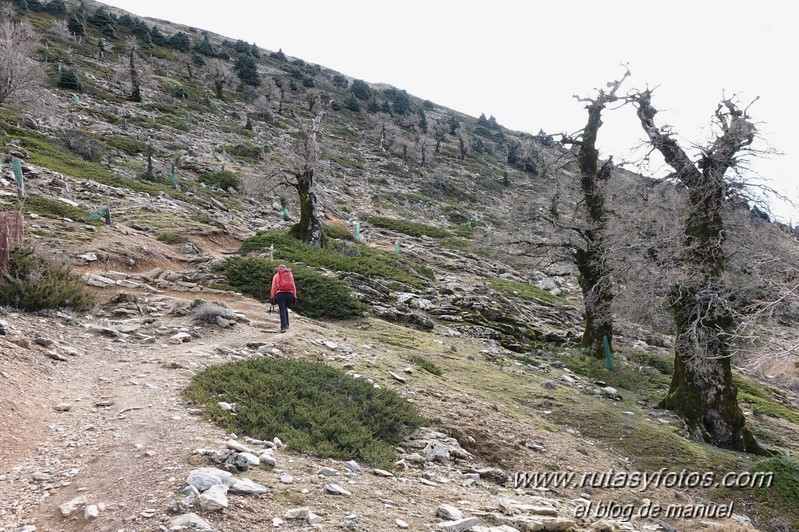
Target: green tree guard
[[77, 100], [173, 179], [357, 231], [286, 214], [59, 69], [150, 161], [152, 117], [608, 354], [396, 247], [213, 153], [469, 225], [107, 215], [188, 118], [174, 101], [16, 164]]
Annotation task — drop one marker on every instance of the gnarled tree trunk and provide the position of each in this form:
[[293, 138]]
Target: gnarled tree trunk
[[592, 258], [309, 227], [701, 390]]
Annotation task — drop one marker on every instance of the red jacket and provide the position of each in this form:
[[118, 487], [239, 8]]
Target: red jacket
[[276, 283]]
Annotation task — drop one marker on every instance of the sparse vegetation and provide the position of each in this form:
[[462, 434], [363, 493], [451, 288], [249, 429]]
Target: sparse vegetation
[[310, 406], [525, 291], [170, 237], [409, 228]]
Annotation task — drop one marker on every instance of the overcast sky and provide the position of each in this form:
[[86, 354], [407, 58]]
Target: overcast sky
[[523, 61]]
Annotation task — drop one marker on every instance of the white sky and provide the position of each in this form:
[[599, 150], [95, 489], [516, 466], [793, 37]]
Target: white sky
[[523, 61]]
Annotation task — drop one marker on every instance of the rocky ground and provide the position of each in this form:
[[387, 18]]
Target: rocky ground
[[98, 437]]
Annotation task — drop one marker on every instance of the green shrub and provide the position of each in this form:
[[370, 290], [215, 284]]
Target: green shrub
[[224, 179], [408, 228], [311, 406], [69, 80], [425, 364], [33, 283], [245, 149], [170, 238], [348, 257], [319, 296]]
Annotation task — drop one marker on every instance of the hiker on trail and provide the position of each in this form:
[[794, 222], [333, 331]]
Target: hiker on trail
[[284, 293]]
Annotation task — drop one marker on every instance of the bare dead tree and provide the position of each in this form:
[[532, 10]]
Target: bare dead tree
[[134, 69], [20, 74], [309, 227], [440, 132], [702, 391], [464, 141], [221, 74], [422, 148], [387, 132]]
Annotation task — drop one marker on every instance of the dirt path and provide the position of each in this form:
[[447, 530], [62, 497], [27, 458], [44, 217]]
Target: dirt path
[[126, 437]]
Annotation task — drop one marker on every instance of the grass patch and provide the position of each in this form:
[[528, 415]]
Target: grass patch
[[456, 243], [53, 208], [318, 295], [625, 376], [338, 233], [125, 144], [409, 228], [426, 364], [311, 406], [781, 499], [34, 283], [764, 400], [513, 288], [347, 257]]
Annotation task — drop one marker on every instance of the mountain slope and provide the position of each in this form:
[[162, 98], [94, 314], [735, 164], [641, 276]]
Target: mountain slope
[[499, 319]]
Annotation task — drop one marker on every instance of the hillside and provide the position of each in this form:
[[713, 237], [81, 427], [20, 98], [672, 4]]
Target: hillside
[[440, 236]]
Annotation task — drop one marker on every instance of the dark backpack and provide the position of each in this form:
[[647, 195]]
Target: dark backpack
[[285, 281]]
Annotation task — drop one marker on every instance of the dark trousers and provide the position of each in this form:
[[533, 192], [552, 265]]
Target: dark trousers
[[283, 300]]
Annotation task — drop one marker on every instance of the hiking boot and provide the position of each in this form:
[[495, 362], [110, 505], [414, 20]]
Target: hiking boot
[[284, 330]]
